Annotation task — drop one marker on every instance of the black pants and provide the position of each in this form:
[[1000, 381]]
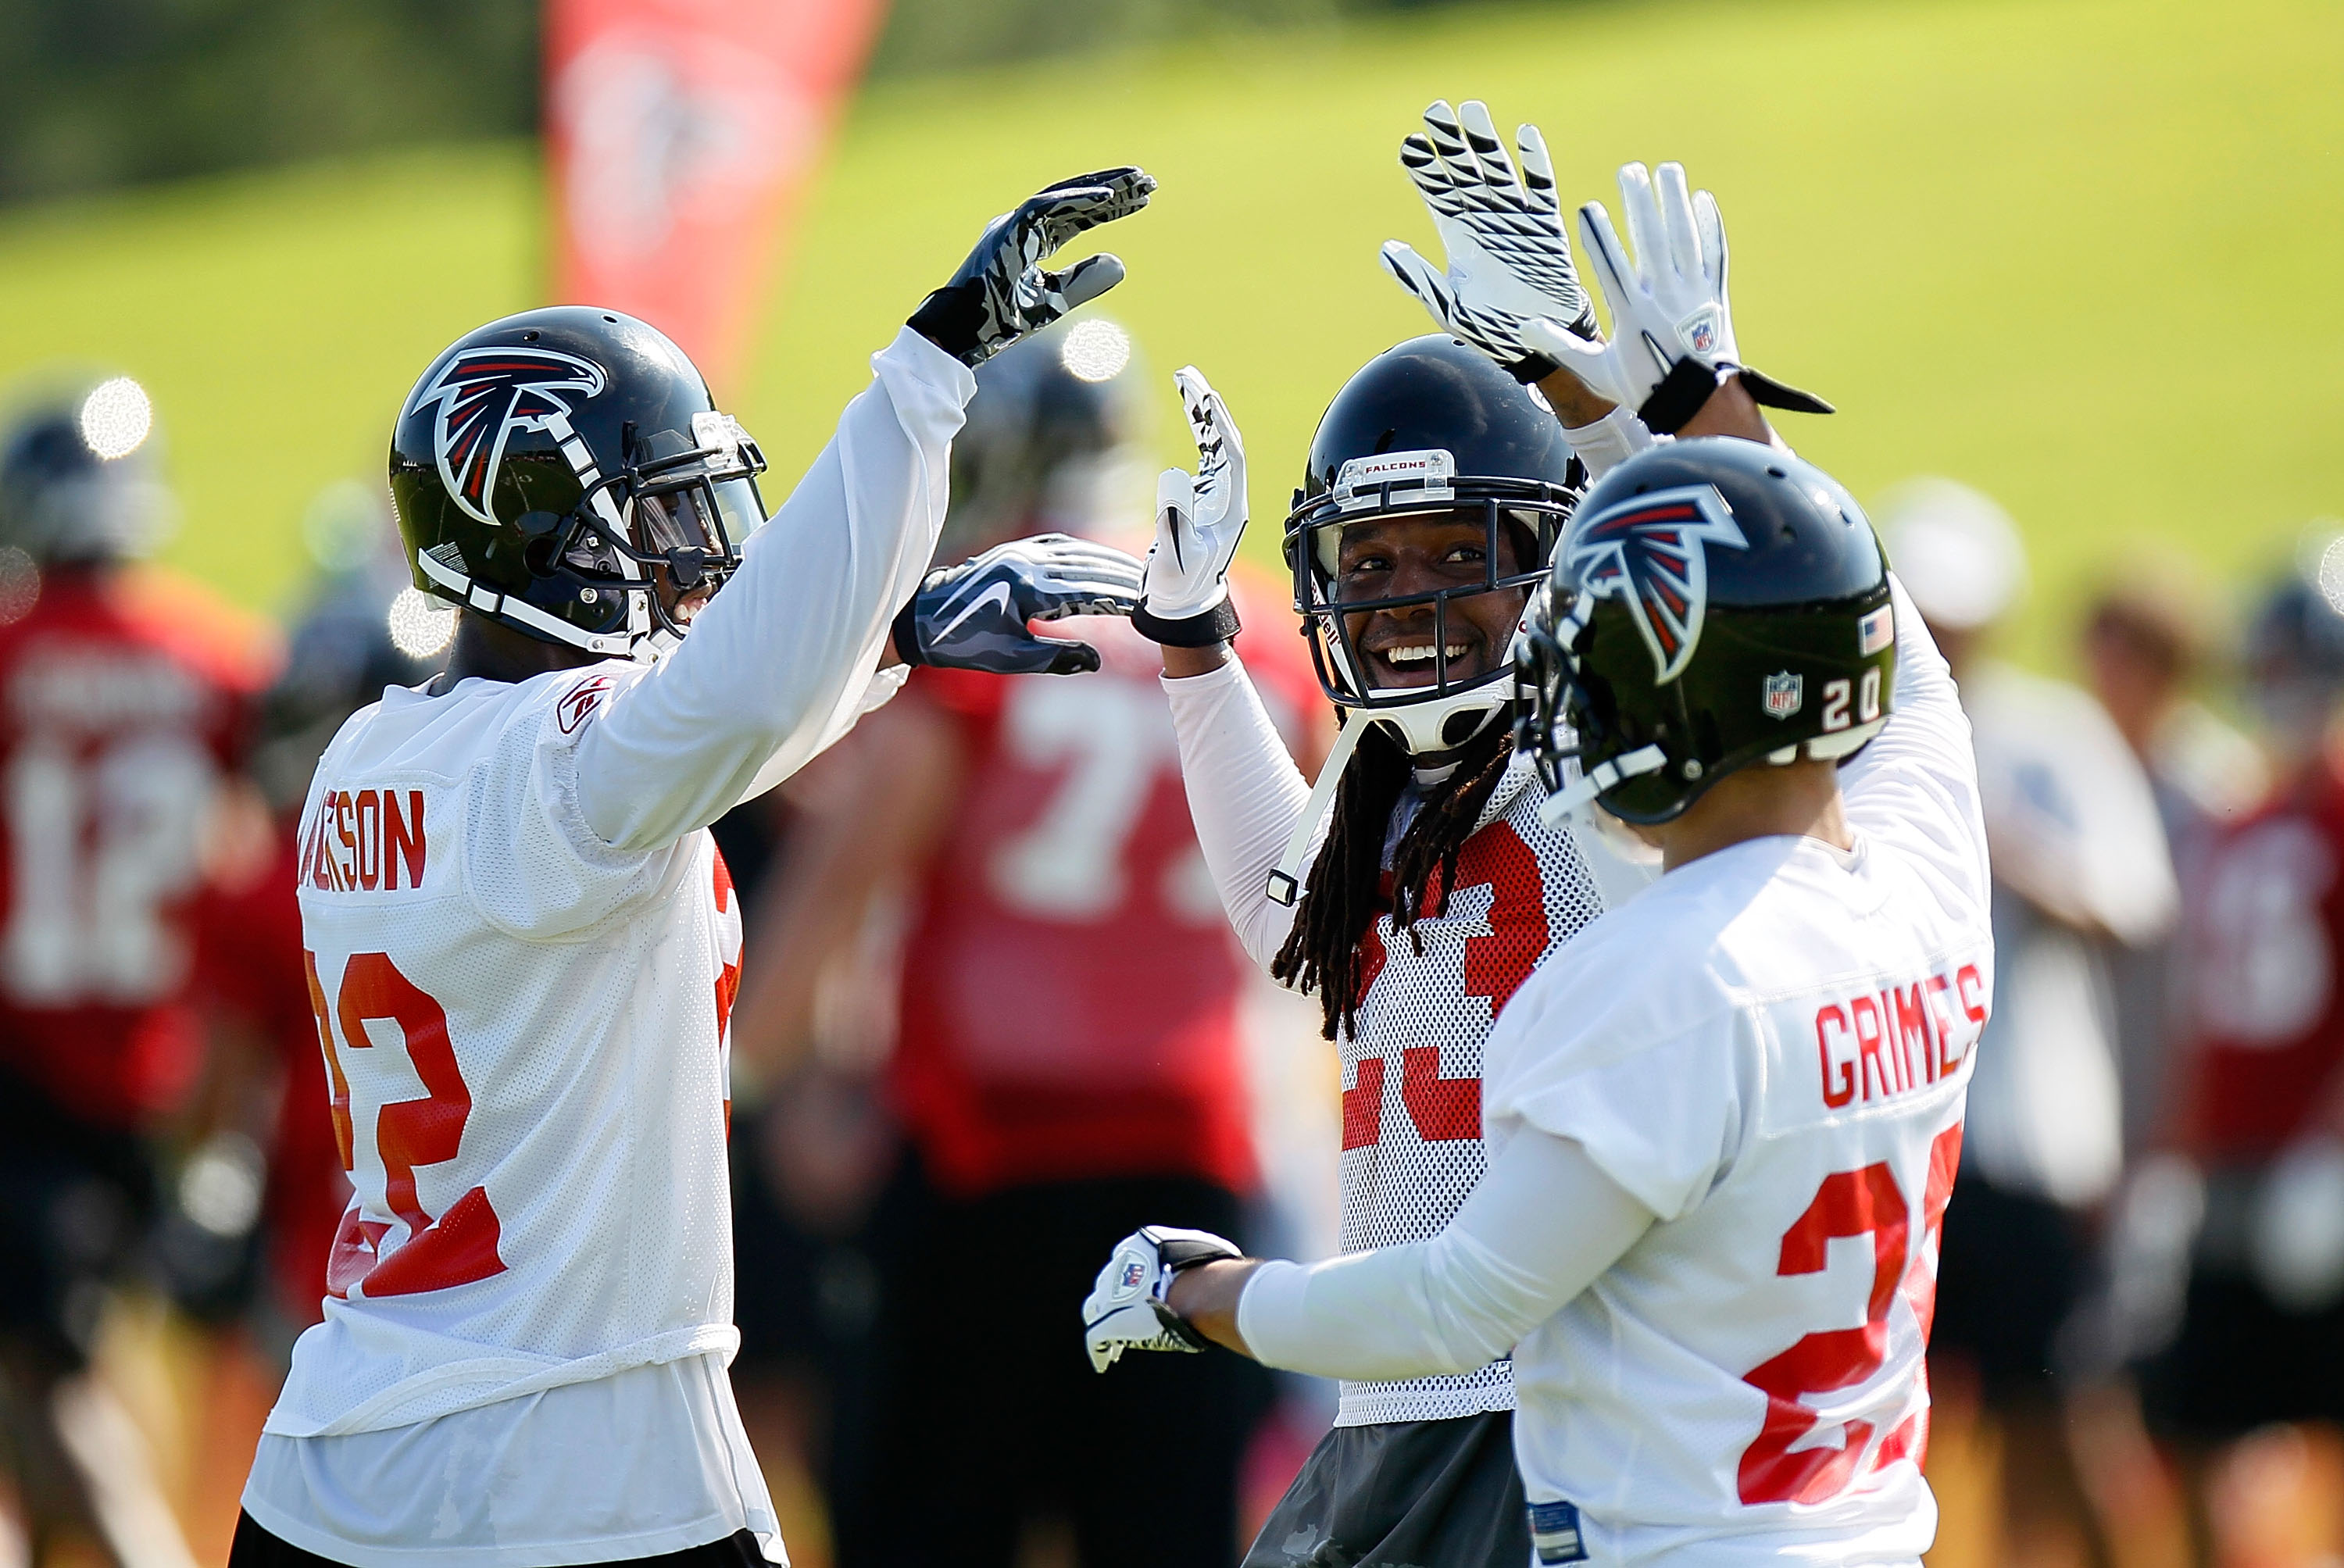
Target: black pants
[[1403, 1494], [987, 1414], [255, 1548], [2011, 1268]]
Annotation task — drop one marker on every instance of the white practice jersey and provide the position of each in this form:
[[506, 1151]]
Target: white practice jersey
[[523, 946], [1413, 1068], [1769, 1049], [1413, 1071]]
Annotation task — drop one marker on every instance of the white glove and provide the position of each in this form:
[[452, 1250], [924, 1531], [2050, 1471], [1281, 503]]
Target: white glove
[[2298, 1241], [1184, 594], [1126, 1310], [1671, 338], [1508, 259]]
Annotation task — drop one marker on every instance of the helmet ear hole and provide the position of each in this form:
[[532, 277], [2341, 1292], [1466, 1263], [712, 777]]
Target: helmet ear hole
[[541, 549]]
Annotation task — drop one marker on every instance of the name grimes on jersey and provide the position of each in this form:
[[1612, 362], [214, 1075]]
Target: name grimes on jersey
[[1879, 1045], [360, 842]]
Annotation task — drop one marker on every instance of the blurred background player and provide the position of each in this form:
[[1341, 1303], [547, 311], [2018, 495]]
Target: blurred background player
[[1065, 1047], [2258, 1113], [2080, 873], [125, 706]]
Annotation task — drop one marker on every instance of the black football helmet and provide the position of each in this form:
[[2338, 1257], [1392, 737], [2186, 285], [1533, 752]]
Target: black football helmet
[[79, 480], [1052, 414], [1713, 604], [547, 467], [1429, 425]]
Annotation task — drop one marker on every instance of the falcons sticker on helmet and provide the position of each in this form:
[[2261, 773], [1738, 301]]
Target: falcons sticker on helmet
[[484, 395], [1651, 552]]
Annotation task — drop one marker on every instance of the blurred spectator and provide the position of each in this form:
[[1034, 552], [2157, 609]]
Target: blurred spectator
[[2145, 644], [124, 710], [2249, 1207], [2080, 870], [1068, 1055]]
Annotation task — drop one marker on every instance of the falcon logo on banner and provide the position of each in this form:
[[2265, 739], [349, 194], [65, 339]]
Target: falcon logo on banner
[[484, 395], [1652, 552], [680, 132]]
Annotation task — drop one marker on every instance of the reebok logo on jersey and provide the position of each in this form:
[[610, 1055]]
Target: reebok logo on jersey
[[1651, 553], [483, 396], [579, 703]]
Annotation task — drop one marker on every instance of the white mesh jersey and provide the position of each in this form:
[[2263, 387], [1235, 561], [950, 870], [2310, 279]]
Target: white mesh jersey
[[1413, 1070], [1769, 1049], [522, 1030]]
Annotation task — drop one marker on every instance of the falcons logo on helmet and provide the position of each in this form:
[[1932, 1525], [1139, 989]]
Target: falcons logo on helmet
[[482, 397], [1652, 552]]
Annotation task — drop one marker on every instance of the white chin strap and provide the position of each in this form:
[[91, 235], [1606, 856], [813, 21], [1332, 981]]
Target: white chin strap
[[1422, 728], [1564, 803]]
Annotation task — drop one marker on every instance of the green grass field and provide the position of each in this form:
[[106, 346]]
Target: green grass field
[[2080, 252]]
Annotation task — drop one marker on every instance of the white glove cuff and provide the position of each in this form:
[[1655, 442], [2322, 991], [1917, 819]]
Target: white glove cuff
[[1609, 442]]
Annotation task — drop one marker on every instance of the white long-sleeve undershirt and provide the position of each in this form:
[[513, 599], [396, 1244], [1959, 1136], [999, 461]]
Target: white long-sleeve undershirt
[[1541, 1226], [1245, 794], [781, 662]]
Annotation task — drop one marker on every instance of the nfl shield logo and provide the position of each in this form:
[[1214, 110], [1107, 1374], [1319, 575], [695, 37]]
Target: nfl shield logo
[[1702, 330], [1133, 1273], [1785, 693]]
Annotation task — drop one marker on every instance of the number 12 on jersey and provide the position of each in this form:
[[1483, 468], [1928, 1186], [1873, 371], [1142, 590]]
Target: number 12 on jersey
[[455, 1247]]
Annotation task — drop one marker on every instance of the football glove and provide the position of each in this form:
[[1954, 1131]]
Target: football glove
[[1671, 338], [1001, 292], [1183, 597], [1508, 259], [974, 616], [1125, 1310]]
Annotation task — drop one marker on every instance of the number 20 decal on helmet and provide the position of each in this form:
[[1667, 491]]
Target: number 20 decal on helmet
[[1714, 604]]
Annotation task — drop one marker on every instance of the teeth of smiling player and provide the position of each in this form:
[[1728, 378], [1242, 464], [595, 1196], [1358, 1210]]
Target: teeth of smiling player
[[1422, 655]]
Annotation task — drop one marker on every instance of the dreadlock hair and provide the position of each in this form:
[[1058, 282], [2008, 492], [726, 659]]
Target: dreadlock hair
[[1343, 895]]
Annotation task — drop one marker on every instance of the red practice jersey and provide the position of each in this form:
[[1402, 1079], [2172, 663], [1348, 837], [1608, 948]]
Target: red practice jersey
[[123, 698], [2264, 924], [1071, 988]]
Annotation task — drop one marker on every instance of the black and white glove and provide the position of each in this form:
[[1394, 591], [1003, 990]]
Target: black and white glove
[[974, 616], [1672, 339], [1184, 598], [1508, 259], [1001, 292], [1126, 1309]]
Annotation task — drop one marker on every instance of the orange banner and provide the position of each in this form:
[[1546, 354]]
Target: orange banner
[[680, 133]]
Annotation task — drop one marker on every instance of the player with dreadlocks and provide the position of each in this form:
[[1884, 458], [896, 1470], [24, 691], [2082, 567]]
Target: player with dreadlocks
[[1437, 484]]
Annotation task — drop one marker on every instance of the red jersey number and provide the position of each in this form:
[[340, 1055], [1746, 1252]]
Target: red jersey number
[[455, 1247], [1497, 962], [1781, 1465]]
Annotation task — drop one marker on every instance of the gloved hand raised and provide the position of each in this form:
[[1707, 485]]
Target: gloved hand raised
[[1184, 598], [1001, 292], [1671, 338], [974, 616], [1509, 259]]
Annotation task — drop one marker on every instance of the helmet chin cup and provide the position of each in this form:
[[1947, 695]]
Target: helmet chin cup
[[1436, 725]]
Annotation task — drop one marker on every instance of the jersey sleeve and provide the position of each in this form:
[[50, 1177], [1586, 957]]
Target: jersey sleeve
[[1915, 787], [1245, 794], [780, 664], [536, 866], [1651, 1084]]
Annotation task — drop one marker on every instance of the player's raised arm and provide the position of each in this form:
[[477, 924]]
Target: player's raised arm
[[1245, 793], [781, 664]]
